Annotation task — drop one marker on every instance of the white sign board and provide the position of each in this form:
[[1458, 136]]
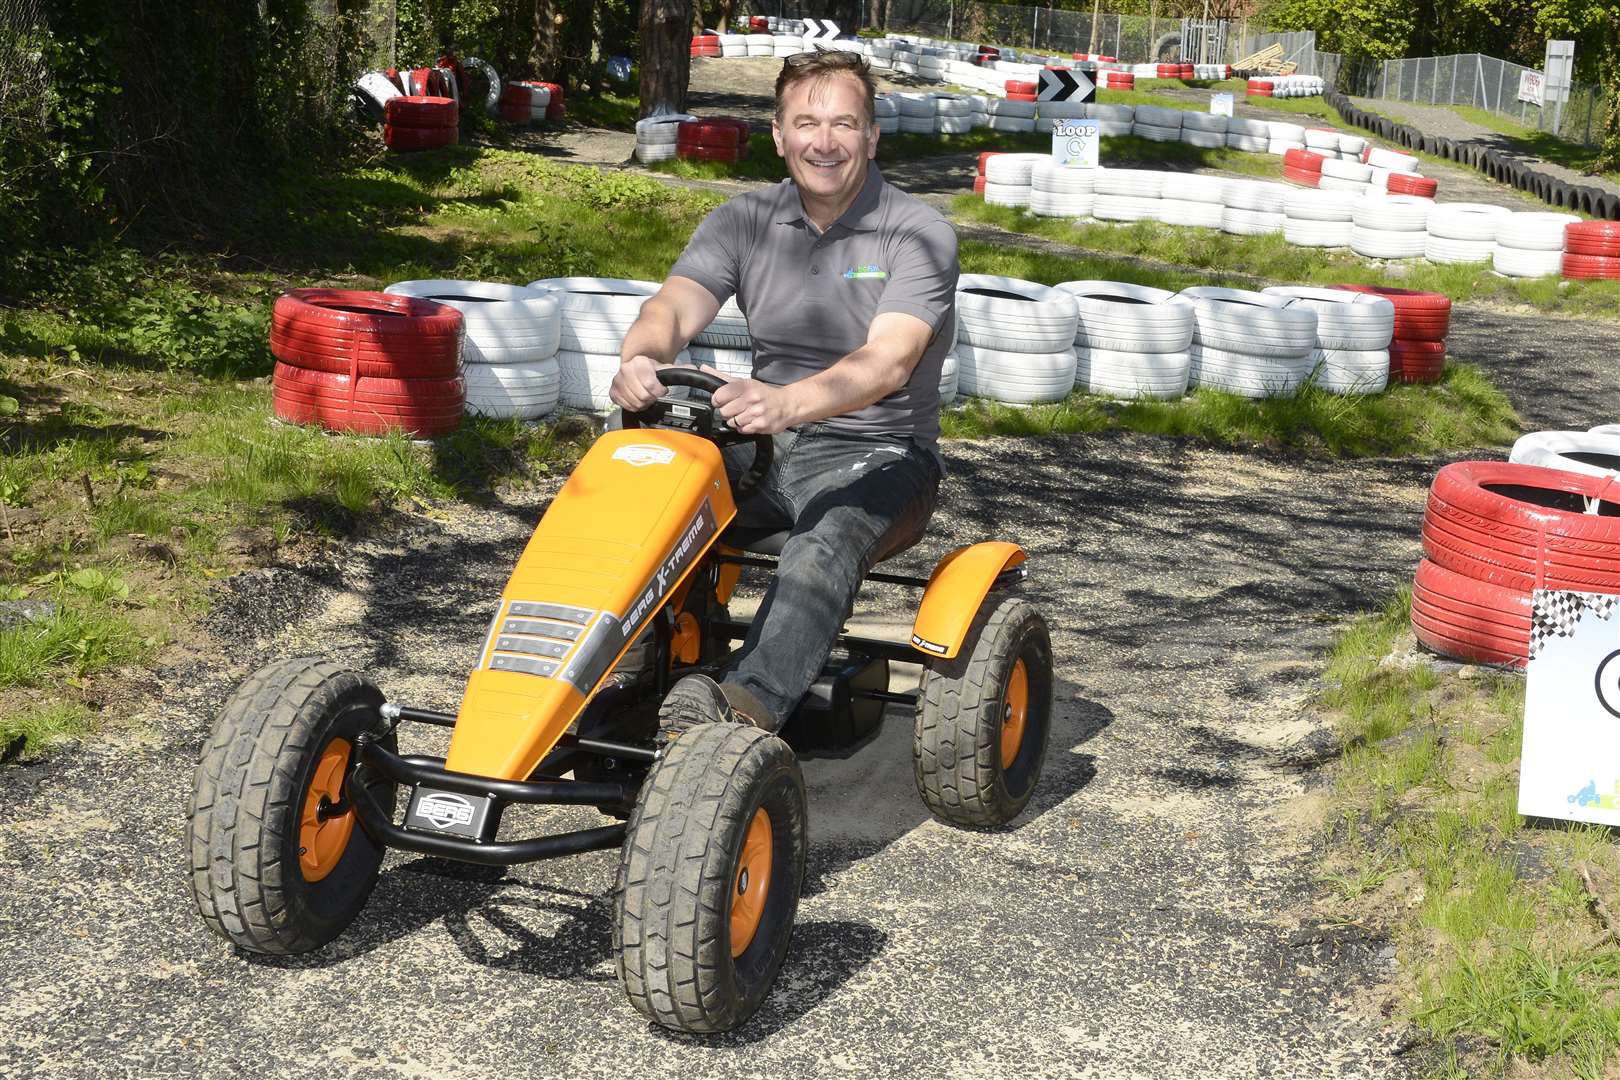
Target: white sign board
[[1531, 85], [1074, 143], [1560, 68], [1569, 768], [1220, 105]]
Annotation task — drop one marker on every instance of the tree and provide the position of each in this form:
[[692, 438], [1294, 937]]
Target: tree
[[666, 58]]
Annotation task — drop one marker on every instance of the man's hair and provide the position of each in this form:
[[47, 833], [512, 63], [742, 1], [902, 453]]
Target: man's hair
[[823, 64]]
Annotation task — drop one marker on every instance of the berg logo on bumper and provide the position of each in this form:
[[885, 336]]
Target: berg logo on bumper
[[445, 810]]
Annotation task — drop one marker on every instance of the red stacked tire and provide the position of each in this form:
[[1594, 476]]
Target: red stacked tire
[[978, 185], [1167, 71], [515, 105], [1259, 88], [419, 123], [705, 44], [1467, 619], [1592, 249], [1303, 167], [366, 362], [1412, 184], [1422, 320], [1188, 71], [759, 24], [978, 181], [1020, 90], [1119, 80], [720, 138], [1495, 531]]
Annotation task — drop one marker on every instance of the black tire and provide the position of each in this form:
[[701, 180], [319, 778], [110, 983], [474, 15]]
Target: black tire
[[678, 873], [957, 751], [251, 787]]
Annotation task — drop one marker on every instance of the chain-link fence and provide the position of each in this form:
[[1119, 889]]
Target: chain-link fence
[[1132, 38], [24, 73], [1488, 83]]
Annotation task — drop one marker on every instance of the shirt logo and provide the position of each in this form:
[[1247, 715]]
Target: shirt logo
[[867, 271]]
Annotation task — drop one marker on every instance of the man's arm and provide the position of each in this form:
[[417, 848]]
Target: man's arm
[[667, 322], [894, 344]]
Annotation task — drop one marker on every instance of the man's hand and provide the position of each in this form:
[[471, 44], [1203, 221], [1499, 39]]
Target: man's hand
[[754, 408], [635, 384]]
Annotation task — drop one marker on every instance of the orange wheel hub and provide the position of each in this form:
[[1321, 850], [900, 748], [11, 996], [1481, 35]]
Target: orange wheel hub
[[1015, 709], [322, 837], [752, 883]]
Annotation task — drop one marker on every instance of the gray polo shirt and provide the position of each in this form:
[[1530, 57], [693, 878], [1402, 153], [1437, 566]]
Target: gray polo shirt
[[810, 297]]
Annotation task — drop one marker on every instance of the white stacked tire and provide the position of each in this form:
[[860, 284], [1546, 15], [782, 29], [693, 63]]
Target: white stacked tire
[[656, 136], [1008, 177], [1530, 244], [509, 353], [1192, 199], [953, 114], [1113, 119], [596, 314], [1014, 339], [1353, 331], [1351, 146], [758, 45], [1316, 218], [1253, 207], [1390, 226], [733, 45], [1250, 344], [948, 378], [1010, 115], [732, 363], [1206, 130], [1130, 340], [786, 45], [1253, 136], [1462, 232], [1156, 123], [1126, 194], [1056, 191], [1339, 175], [1391, 160], [1282, 137], [1591, 453], [916, 112]]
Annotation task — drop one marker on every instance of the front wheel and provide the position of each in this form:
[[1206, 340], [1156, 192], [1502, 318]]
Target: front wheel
[[709, 878], [279, 863], [983, 718]]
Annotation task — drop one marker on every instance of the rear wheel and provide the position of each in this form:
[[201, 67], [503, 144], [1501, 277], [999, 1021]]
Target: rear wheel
[[709, 878], [278, 862], [983, 718]]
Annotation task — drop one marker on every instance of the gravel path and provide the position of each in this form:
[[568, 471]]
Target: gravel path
[[1150, 914]]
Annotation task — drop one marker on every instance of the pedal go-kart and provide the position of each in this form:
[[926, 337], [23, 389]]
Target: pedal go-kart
[[297, 792]]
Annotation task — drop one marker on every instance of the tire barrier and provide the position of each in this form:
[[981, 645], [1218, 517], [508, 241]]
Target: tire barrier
[[1014, 339], [419, 123], [1530, 244], [366, 362], [1417, 351], [1495, 531], [1249, 343], [1497, 164], [656, 136], [1130, 341], [509, 351], [1591, 250], [1463, 232], [718, 138], [1353, 334]]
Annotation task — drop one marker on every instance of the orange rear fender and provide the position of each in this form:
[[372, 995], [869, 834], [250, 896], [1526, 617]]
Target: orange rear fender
[[956, 589]]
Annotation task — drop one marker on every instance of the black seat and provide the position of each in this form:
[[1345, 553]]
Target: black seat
[[765, 540]]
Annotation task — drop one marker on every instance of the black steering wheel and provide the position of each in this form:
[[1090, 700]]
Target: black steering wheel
[[700, 417]]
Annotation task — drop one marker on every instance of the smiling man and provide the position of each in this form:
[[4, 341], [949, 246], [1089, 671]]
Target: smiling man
[[849, 286]]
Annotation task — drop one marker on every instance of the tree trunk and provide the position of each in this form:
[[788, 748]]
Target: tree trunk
[[666, 58], [545, 49]]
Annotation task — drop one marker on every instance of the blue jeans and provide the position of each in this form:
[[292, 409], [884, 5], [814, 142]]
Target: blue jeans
[[849, 501]]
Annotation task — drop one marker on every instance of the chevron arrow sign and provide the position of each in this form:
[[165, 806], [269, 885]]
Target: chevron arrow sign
[[819, 30], [1062, 84]]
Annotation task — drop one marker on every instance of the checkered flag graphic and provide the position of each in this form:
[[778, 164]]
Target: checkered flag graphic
[[1555, 613]]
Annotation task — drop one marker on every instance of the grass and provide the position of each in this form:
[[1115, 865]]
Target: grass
[[1528, 140], [1505, 965], [1462, 411], [1204, 253]]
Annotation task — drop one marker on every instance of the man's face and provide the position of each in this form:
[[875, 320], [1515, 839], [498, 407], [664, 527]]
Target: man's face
[[825, 138]]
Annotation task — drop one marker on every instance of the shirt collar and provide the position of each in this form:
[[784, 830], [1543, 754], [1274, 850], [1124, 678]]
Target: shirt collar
[[862, 215]]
